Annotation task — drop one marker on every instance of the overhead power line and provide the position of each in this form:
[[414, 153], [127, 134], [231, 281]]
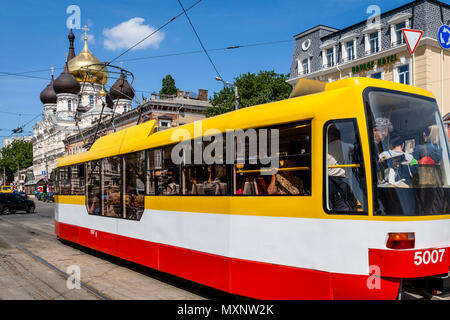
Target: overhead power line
[[174, 54], [154, 32], [199, 40]]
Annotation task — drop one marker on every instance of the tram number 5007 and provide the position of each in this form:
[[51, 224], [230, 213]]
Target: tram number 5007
[[426, 257]]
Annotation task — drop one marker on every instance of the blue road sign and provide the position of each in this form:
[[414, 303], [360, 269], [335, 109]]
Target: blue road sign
[[444, 37]]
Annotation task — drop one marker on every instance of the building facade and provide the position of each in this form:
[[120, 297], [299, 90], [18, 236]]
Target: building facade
[[376, 48]]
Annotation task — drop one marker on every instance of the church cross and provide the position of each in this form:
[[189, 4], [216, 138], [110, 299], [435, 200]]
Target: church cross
[[85, 29]]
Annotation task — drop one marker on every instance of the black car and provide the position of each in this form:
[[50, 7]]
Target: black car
[[12, 202], [22, 194]]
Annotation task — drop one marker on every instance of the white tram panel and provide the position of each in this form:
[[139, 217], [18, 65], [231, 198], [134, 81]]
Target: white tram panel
[[331, 245]]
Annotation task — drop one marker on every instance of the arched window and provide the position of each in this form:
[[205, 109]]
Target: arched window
[[69, 105], [91, 100]]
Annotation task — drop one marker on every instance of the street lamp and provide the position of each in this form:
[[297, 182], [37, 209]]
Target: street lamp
[[236, 97]]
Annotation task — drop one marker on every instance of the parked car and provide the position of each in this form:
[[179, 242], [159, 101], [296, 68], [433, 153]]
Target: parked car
[[12, 202], [49, 197], [22, 194], [6, 189]]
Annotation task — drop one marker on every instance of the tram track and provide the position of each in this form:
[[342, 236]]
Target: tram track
[[44, 262], [15, 268]]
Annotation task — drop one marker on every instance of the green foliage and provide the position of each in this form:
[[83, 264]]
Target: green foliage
[[168, 85], [18, 155], [253, 89]]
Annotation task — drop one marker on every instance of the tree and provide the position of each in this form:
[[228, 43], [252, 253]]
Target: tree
[[18, 155], [253, 89], [168, 86]]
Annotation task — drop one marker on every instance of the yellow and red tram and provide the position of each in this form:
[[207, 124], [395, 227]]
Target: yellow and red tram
[[350, 199]]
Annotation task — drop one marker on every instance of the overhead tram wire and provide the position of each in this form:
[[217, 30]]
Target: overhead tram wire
[[199, 40], [154, 32], [233, 47]]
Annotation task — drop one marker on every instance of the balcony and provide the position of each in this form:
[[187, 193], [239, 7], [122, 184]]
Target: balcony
[[398, 43]]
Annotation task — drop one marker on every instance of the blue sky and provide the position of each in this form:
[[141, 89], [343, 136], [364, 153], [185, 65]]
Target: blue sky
[[33, 36]]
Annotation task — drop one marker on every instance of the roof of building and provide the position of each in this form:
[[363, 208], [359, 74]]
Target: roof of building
[[122, 89], [66, 83], [48, 95]]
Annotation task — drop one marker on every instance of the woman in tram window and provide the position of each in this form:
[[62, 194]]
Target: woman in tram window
[[430, 152]]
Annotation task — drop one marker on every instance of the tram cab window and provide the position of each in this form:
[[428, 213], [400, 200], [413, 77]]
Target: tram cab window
[[135, 180], [345, 185], [111, 186], [94, 195], [288, 145], [410, 154]]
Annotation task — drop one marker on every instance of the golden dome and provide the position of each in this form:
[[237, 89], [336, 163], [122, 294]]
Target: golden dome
[[96, 72]]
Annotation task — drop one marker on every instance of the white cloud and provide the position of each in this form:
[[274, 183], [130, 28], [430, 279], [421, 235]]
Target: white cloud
[[90, 37], [128, 33]]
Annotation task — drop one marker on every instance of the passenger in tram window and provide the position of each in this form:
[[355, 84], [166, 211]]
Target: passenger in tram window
[[381, 130], [95, 205], [398, 172], [430, 151], [339, 153], [286, 182]]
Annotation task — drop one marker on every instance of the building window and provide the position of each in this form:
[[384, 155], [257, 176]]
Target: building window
[[69, 105], [164, 124], [377, 75], [305, 66], [374, 43], [399, 38], [350, 46], [91, 100], [330, 57], [403, 74]]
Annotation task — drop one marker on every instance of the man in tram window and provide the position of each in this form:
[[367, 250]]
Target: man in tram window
[[381, 130], [339, 153]]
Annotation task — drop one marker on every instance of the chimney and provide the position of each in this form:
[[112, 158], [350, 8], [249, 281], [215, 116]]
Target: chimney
[[186, 96], [202, 95], [180, 94]]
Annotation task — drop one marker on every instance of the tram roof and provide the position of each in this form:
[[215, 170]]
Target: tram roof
[[298, 107]]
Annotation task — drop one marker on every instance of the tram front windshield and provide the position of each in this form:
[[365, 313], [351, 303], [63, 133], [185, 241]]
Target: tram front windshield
[[410, 156]]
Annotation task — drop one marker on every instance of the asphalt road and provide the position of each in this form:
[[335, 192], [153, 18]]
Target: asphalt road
[[35, 265]]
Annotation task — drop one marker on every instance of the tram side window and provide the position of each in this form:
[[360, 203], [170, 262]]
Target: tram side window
[[64, 181], [135, 179], [205, 180], [77, 180], [94, 196], [111, 187], [345, 186], [164, 175], [293, 173]]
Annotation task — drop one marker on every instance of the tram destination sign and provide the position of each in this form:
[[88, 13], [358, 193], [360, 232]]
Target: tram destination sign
[[371, 64]]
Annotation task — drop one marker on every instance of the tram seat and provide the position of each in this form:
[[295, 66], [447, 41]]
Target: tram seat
[[221, 188]]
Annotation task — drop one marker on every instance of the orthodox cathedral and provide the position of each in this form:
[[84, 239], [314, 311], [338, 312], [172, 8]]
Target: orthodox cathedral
[[74, 101]]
